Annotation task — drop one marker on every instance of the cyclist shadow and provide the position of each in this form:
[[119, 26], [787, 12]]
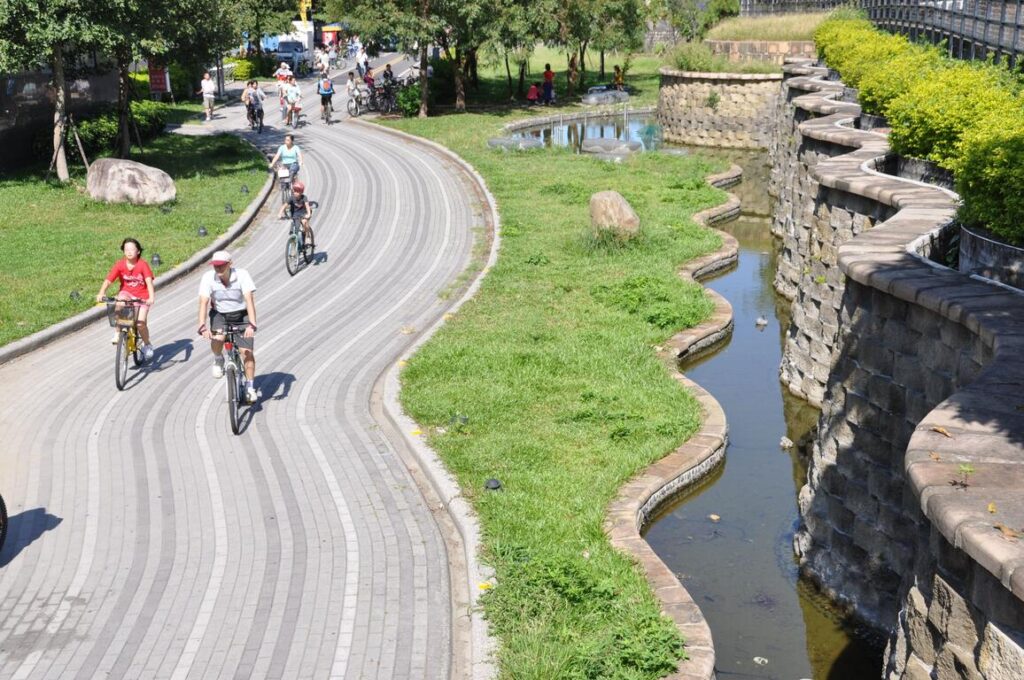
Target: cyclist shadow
[[23, 529], [272, 387], [319, 257], [164, 356]]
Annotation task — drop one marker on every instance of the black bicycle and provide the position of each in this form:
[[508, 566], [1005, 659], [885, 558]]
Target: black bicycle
[[285, 177], [255, 117], [325, 114], [300, 248], [124, 315], [234, 375]]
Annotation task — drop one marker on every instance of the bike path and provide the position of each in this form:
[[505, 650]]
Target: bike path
[[148, 541]]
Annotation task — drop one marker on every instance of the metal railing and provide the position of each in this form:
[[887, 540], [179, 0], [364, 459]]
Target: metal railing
[[973, 29]]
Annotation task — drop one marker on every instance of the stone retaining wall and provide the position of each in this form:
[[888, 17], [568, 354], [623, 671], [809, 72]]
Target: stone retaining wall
[[919, 456], [726, 110], [982, 255], [770, 51]]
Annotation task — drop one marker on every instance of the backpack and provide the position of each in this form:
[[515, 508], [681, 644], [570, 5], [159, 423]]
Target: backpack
[[326, 86]]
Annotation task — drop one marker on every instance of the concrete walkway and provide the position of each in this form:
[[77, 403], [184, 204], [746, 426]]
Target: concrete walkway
[[147, 541]]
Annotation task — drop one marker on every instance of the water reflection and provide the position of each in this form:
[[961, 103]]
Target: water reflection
[[625, 126]]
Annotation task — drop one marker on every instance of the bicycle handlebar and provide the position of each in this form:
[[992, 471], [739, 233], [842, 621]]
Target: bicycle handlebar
[[132, 302]]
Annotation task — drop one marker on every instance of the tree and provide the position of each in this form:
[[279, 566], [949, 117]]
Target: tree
[[35, 33], [259, 17]]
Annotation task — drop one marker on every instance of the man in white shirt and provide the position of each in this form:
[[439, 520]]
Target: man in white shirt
[[208, 89], [226, 297]]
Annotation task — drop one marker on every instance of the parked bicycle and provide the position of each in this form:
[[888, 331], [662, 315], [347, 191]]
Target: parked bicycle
[[124, 315], [301, 246], [234, 376], [358, 102]]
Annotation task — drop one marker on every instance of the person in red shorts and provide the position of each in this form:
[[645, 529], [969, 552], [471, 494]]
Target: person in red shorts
[[136, 279]]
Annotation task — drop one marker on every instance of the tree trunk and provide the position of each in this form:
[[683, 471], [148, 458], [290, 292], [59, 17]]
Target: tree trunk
[[124, 137], [474, 76], [508, 73], [522, 77], [424, 81], [59, 114], [583, 65], [602, 76], [460, 80]]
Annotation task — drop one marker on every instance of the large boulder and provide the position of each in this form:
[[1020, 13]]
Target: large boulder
[[115, 180], [606, 97], [609, 211]]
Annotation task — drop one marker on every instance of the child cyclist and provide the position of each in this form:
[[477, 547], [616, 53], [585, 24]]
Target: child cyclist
[[136, 280]]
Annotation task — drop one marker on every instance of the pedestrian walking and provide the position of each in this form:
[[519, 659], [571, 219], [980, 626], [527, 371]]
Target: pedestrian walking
[[208, 89], [549, 84]]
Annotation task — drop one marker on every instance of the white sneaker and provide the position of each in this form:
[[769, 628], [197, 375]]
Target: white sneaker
[[147, 352], [250, 395], [217, 370], [116, 339]]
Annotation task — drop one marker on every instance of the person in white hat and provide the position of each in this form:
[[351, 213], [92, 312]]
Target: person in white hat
[[226, 297]]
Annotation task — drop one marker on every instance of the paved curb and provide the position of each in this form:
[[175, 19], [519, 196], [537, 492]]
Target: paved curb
[[83, 319], [639, 499], [482, 645]]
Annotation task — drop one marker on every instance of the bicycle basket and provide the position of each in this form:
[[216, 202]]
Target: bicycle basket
[[284, 172], [122, 314]]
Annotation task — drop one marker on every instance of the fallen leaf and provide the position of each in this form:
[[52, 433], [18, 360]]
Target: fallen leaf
[[943, 431], [408, 330], [991, 508], [714, 518], [486, 586], [417, 432], [1008, 533], [934, 456], [403, 362]]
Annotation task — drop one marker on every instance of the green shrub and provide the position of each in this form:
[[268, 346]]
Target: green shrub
[[887, 81], [98, 131], [693, 56], [409, 101], [253, 66], [854, 48], [929, 120], [990, 176]]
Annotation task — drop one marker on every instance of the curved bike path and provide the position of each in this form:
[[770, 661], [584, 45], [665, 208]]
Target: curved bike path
[[147, 541]]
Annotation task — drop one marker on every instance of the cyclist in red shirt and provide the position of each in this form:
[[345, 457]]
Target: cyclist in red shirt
[[136, 279]]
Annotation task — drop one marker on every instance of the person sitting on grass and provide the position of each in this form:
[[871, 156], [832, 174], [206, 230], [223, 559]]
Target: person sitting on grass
[[533, 94]]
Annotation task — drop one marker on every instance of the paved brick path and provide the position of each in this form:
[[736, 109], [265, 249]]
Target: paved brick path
[[148, 541]]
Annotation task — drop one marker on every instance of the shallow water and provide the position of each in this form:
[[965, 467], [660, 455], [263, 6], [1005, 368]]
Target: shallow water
[[622, 127]]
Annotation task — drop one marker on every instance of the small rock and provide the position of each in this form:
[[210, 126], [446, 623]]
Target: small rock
[[609, 210], [786, 443], [760, 660], [715, 518]]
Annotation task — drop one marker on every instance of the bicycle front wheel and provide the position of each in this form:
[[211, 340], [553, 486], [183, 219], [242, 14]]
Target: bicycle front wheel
[[353, 107], [121, 361], [3, 522], [291, 254], [231, 378], [136, 346]]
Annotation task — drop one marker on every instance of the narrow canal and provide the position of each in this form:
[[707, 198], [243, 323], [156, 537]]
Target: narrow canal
[[729, 540]]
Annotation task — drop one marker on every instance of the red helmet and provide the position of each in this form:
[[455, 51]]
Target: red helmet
[[298, 186]]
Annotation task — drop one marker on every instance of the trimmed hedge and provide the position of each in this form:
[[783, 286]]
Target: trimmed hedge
[[254, 66], [967, 117], [99, 131]]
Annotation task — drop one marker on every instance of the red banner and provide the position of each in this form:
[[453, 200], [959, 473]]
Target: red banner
[[159, 79]]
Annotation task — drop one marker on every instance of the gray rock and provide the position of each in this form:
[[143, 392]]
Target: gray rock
[[515, 143], [616, 146], [610, 211], [607, 97], [115, 180]]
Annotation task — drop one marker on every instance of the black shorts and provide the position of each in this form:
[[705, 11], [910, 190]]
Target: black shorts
[[218, 320], [325, 99]]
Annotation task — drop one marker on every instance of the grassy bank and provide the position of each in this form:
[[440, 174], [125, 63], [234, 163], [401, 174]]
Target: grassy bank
[[770, 27], [78, 238], [548, 381]]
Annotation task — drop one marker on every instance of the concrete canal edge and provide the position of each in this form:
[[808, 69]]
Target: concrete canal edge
[[639, 499]]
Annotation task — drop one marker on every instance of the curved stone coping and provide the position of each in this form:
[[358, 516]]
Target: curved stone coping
[[984, 421], [722, 77], [639, 499], [476, 643], [526, 123], [82, 319]]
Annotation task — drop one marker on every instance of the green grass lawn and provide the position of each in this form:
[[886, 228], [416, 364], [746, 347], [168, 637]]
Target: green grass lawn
[[548, 381], [642, 76], [54, 239], [770, 27]]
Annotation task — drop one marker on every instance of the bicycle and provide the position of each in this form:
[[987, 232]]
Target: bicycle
[[297, 246], [124, 315], [285, 177], [326, 111], [3, 522], [255, 117], [357, 103], [296, 113], [234, 375]]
